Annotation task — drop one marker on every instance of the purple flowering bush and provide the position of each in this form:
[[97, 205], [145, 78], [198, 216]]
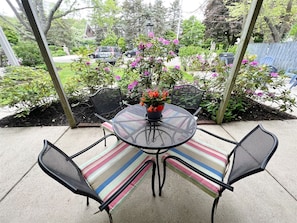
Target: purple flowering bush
[[253, 81], [91, 76], [148, 69]]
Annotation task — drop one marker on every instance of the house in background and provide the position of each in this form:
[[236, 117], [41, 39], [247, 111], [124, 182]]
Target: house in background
[[89, 32]]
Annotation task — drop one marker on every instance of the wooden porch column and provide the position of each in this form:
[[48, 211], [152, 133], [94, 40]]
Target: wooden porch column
[[43, 46], [244, 40]]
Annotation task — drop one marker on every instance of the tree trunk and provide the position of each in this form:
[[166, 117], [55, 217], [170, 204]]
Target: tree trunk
[[279, 31]]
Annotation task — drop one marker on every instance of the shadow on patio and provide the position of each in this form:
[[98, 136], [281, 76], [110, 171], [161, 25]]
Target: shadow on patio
[[29, 195]]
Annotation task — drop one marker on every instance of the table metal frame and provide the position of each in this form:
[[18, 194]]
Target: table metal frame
[[176, 127]]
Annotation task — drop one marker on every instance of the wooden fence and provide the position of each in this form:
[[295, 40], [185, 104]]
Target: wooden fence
[[284, 54]]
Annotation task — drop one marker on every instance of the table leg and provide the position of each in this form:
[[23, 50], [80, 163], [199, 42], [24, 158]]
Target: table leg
[[158, 170], [160, 151]]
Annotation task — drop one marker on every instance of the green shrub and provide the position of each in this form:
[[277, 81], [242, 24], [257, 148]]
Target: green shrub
[[189, 51], [29, 53], [26, 88], [253, 81], [92, 76], [187, 55], [59, 53]]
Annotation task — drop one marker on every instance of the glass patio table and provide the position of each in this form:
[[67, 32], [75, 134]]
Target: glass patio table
[[175, 127]]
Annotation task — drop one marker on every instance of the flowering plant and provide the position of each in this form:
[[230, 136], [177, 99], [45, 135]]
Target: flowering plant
[[254, 82], [93, 75], [154, 99], [149, 68]]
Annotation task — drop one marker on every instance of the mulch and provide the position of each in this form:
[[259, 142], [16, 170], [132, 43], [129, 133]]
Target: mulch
[[84, 115]]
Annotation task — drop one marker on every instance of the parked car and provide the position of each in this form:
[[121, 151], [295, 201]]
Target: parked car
[[109, 54], [131, 53]]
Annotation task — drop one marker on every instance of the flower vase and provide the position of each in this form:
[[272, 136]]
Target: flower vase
[[155, 114]]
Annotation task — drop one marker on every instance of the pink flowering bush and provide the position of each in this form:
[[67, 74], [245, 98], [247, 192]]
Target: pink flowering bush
[[148, 69], [93, 76], [253, 81]]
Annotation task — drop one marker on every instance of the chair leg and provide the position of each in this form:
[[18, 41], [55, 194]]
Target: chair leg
[[104, 134], [110, 217], [214, 207]]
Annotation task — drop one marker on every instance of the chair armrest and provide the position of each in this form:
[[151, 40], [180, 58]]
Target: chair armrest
[[102, 118], [125, 103], [293, 78], [92, 145], [197, 111], [219, 137], [222, 184]]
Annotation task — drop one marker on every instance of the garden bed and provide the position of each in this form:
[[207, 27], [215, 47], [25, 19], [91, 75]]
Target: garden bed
[[84, 115]]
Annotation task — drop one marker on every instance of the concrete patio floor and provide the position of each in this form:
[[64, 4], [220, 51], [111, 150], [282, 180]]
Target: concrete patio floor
[[28, 195]]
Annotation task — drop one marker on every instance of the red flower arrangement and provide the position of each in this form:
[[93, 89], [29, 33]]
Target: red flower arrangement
[[154, 99]]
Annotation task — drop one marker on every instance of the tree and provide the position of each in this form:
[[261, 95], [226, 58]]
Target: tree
[[220, 26], [173, 16], [134, 19], [137, 18], [105, 16], [275, 19], [10, 33], [46, 17], [158, 15], [293, 32], [193, 32], [61, 32]]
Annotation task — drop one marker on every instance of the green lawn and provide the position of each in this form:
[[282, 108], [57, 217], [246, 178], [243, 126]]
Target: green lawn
[[64, 71]]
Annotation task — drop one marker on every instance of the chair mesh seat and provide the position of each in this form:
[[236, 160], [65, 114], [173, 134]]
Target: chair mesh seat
[[108, 171], [202, 157]]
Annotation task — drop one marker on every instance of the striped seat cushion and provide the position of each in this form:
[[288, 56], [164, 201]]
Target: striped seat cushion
[[108, 171], [202, 157], [107, 126]]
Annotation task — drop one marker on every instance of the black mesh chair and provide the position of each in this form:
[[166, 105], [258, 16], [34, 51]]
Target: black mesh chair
[[206, 166], [107, 102], [188, 97], [107, 178]]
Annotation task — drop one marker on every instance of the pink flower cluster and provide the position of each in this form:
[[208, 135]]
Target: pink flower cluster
[[132, 85]]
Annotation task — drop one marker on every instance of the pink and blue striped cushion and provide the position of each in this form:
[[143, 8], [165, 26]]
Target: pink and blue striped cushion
[[107, 126], [202, 157], [108, 171]]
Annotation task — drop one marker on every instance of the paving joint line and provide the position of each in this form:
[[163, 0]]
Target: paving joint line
[[27, 172]]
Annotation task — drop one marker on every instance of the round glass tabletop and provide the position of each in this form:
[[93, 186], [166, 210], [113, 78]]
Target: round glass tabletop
[[176, 127]]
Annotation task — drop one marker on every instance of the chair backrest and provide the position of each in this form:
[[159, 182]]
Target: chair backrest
[[107, 101], [252, 153], [187, 96], [55, 163]]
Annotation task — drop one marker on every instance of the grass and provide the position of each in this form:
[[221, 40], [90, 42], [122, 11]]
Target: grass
[[64, 71]]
